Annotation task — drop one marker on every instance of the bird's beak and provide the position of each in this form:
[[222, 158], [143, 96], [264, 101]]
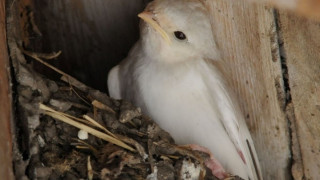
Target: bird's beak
[[148, 18]]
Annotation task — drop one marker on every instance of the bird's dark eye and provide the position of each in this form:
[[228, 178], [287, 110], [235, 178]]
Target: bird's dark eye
[[180, 35]]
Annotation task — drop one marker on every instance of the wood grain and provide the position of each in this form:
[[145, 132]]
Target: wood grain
[[301, 39], [245, 33], [5, 102], [307, 8]]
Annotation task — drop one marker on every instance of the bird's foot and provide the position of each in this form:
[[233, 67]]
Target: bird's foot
[[211, 163]]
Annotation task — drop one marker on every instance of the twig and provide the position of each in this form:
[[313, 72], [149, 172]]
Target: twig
[[95, 123], [69, 116], [73, 90], [102, 106], [61, 117], [74, 82], [150, 159], [36, 57], [90, 173], [134, 143], [84, 144], [42, 55], [65, 77]]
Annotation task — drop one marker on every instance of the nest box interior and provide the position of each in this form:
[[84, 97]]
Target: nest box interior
[[93, 36], [275, 78]]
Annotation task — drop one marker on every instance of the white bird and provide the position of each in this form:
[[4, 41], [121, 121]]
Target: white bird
[[171, 74]]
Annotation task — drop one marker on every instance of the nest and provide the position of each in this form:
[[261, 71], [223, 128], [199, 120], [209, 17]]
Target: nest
[[55, 117]]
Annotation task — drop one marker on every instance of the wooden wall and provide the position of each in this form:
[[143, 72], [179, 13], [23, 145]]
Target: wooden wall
[[301, 48], [92, 35], [247, 38], [274, 59], [5, 102], [308, 8]]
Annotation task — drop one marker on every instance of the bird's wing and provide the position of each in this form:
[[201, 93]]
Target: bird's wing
[[233, 121], [114, 82]]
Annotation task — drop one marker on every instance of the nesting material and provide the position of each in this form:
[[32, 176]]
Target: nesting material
[[122, 142]]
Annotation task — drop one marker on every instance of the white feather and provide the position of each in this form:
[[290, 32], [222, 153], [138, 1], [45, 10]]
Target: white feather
[[185, 94], [114, 83]]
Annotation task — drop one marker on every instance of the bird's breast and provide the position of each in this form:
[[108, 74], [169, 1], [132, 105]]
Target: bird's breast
[[180, 102]]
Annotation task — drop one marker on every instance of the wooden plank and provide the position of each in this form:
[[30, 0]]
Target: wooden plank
[[245, 33], [307, 8], [5, 102], [301, 39]]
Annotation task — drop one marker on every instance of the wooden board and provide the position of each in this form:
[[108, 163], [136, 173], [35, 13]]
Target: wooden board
[[301, 39], [307, 8], [5, 102], [246, 35]]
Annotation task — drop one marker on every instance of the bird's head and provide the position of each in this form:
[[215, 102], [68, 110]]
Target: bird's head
[[178, 30]]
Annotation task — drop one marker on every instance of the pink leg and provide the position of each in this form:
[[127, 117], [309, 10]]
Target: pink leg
[[213, 164]]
